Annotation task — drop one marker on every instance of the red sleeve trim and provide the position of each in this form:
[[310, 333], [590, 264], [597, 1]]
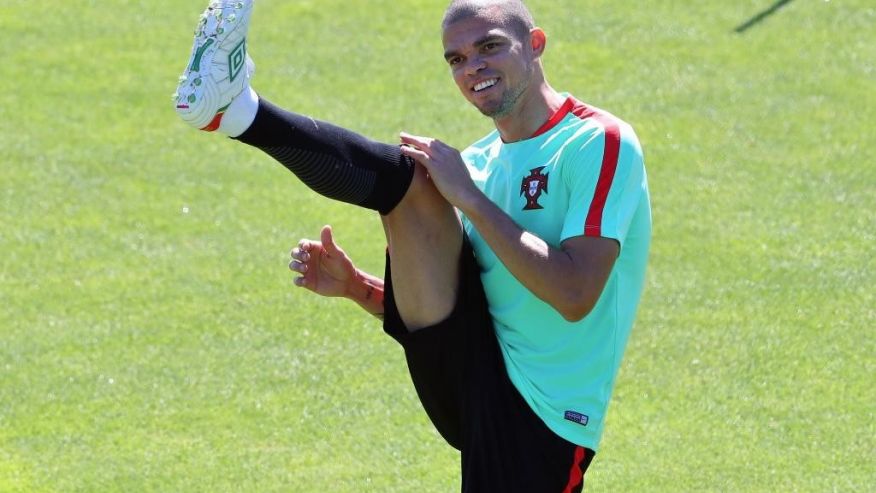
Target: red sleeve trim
[[593, 223]]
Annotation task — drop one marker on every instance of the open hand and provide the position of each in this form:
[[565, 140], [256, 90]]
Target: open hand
[[445, 166], [324, 267]]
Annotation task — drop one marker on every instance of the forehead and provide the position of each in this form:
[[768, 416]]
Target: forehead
[[468, 31]]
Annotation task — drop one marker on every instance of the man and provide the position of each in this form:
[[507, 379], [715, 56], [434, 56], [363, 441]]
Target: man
[[513, 318]]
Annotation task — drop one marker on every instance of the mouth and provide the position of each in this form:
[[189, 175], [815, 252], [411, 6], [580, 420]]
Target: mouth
[[484, 85]]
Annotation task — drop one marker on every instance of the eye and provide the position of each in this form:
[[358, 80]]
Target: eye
[[454, 60], [490, 46]]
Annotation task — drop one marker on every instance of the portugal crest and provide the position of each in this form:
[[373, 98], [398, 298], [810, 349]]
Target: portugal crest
[[532, 187]]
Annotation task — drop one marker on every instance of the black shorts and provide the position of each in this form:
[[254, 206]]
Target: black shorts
[[459, 375]]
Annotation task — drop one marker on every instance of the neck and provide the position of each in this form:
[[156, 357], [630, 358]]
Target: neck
[[529, 114]]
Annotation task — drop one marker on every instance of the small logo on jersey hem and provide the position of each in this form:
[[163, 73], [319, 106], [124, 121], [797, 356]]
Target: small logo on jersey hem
[[532, 187], [581, 419]]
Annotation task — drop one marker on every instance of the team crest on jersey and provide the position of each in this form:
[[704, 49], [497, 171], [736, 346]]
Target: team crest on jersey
[[532, 188]]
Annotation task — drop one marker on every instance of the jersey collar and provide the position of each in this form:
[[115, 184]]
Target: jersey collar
[[561, 113]]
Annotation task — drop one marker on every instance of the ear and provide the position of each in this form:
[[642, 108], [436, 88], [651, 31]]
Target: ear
[[537, 41]]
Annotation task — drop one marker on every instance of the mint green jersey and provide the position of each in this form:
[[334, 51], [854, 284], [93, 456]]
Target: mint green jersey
[[582, 173]]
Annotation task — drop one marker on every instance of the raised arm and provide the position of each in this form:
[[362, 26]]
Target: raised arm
[[570, 278], [326, 270]]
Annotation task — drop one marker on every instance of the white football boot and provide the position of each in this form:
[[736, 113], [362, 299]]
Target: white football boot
[[219, 68]]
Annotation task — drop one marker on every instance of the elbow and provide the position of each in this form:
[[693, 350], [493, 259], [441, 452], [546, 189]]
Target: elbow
[[575, 308], [575, 314]]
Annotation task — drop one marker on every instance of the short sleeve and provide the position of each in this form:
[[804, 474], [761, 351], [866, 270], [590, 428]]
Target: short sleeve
[[606, 183]]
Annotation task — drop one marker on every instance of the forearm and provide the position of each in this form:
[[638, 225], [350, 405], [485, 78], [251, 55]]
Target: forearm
[[367, 291], [550, 273]]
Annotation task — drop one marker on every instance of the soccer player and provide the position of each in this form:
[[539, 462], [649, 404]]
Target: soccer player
[[514, 268]]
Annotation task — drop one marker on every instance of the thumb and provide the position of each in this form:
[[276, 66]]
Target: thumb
[[328, 242]]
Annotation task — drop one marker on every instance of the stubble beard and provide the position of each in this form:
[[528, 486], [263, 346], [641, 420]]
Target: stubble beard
[[505, 106], [509, 101]]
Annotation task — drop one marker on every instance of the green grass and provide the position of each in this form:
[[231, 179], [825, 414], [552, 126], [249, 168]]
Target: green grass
[[151, 340]]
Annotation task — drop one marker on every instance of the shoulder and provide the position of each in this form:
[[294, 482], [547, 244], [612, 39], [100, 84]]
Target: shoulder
[[605, 121], [602, 128]]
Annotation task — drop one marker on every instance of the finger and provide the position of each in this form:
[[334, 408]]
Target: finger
[[328, 241], [417, 155], [307, 245], [300, 255], [296, 266], [301, 282], [417, 141]]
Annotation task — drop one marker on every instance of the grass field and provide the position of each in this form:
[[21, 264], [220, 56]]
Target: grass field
[[151, 339]]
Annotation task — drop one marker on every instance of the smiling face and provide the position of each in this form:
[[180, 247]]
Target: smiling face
[[493, 66]]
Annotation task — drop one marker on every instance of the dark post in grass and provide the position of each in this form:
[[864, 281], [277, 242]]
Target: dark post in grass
[[761, 16]]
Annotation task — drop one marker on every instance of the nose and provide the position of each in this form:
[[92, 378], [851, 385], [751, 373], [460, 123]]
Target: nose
[[475, 65]]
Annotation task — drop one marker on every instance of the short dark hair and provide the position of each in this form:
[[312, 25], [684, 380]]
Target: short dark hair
[[508, 12]]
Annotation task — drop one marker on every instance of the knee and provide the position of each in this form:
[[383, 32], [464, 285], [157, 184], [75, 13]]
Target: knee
[[422, 194]]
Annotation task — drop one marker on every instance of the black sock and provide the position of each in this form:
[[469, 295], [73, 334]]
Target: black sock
[[332, 161]]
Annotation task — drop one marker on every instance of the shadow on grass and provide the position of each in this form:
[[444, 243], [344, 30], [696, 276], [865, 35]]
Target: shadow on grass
[[757, 19]]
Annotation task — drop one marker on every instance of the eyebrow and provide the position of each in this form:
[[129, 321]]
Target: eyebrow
[[490, 38]]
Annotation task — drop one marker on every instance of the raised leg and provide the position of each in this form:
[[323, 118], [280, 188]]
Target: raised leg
[[425, 239]]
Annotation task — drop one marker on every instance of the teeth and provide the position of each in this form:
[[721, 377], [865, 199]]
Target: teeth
[[485, 84]]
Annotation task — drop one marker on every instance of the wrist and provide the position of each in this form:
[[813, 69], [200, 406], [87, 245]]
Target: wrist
[[367, 291], [356, 287], [472, 203], [363, 287]]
